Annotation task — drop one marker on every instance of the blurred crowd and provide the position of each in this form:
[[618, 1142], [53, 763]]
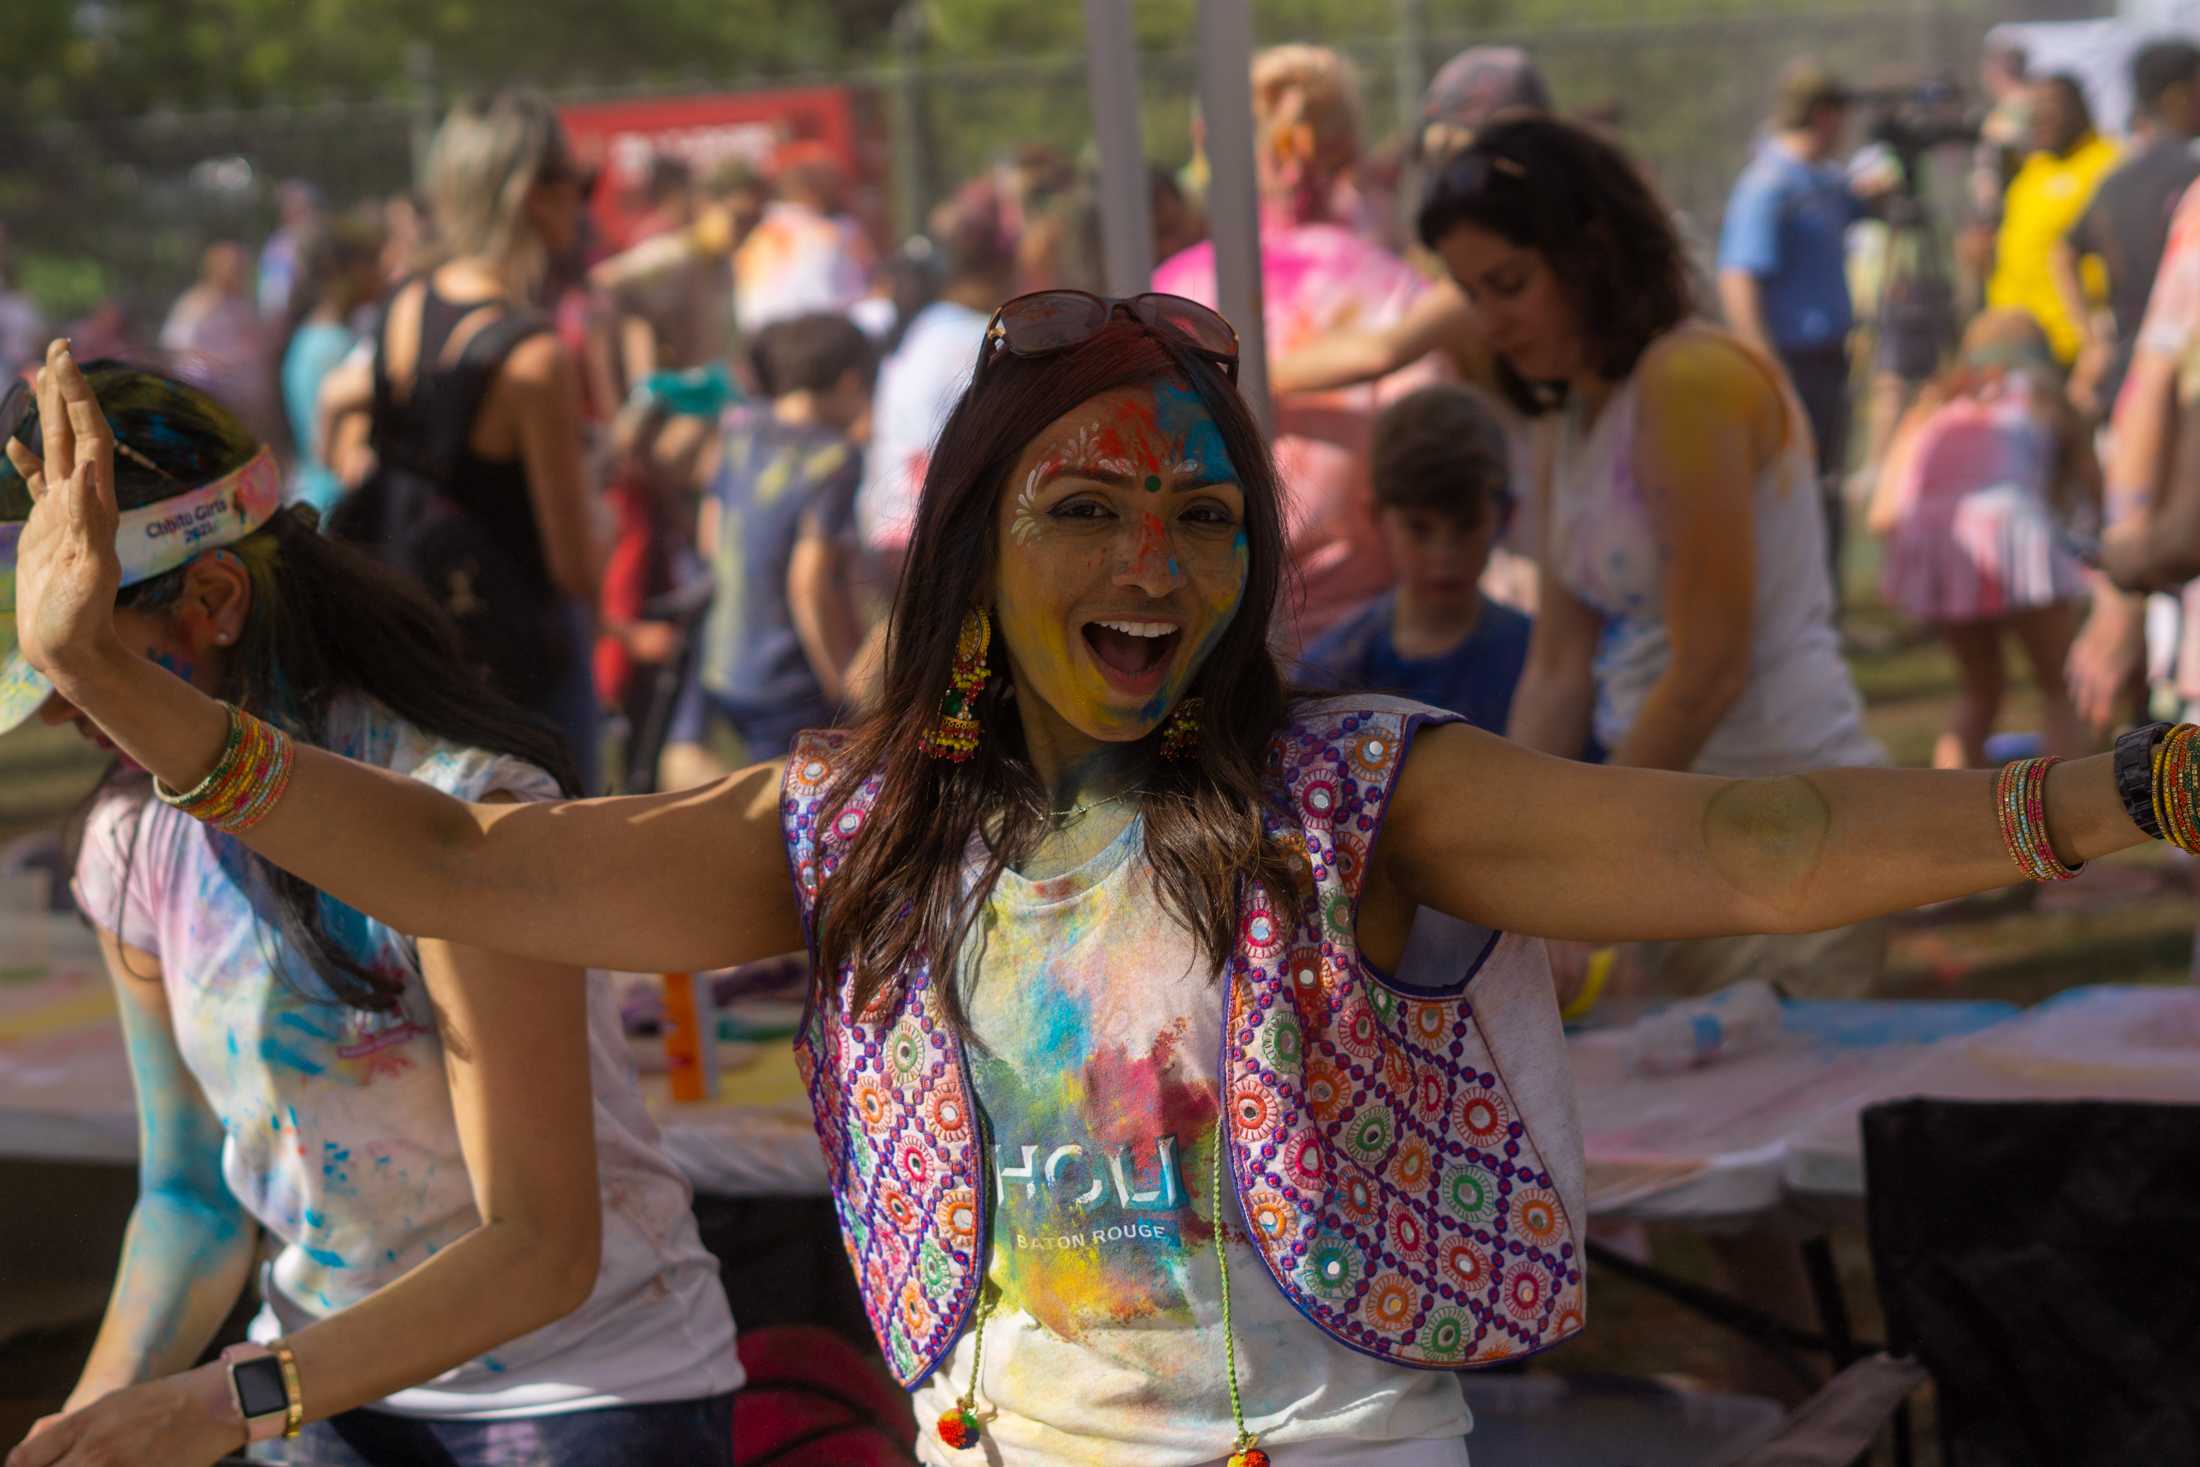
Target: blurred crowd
[[664, 482]]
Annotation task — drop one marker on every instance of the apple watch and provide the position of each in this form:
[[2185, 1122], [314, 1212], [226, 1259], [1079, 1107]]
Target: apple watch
[[263, 1392]]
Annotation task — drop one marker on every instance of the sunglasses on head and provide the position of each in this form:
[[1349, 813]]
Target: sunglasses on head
[[1472, 171], [1049, 321]]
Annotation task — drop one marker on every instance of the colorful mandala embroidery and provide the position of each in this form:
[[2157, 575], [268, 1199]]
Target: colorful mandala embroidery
[[1408, 1236], [1469, 1194], [905, 1052], [1356, 1031], [1465, 1263], [1356, 1198], [1305, 1166], [1279, 1044], [1260, 935], [1483, 1117], [1445, 1333], [1332, 1268], [1253, 1112], [878, 1110], [1368, 1135], [1327, 1091], [1535, 1218], [1389, 1305], [957, 1215], [1319, 800], [1410, 1167], [1272, 1215], [943, 1111], [1527, 1290]]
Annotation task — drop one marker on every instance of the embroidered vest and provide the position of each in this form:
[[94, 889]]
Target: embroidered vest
[[1409, 1161]]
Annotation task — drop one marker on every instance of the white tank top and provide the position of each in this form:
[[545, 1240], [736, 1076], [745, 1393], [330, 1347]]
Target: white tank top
[[1605, 543]]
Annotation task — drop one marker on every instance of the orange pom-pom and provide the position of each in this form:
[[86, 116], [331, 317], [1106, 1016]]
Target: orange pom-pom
[[1250, 1457], [959, 1429]]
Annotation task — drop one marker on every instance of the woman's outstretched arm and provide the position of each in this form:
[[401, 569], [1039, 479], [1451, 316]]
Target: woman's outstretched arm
[[664, 882], [1493, 833]]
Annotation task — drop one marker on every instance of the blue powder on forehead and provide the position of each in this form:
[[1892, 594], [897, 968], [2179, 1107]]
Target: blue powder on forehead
[[1182, 415]]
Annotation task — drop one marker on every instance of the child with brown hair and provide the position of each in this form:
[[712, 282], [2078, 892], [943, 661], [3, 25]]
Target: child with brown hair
[[1443, 495]]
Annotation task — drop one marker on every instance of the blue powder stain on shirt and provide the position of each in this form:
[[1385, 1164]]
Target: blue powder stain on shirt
[[390, 1254], [326, 1257], [493, 1365], [295, 1021], [315, 1219], [275, 1052], [233, 1055]]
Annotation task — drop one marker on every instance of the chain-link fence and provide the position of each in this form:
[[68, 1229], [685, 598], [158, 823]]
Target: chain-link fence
[[120, 209]]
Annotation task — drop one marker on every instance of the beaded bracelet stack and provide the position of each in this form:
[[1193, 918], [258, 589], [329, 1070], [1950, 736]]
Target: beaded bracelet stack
[[2175, 788], [2020, 799], [245, 782]]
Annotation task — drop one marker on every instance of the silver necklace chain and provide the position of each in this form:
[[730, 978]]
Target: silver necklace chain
[[1064, 817]]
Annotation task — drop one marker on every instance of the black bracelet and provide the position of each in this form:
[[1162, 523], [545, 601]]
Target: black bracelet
[[2135, 774]]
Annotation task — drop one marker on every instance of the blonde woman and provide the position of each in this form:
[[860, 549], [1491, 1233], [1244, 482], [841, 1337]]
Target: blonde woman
[[480, 488]]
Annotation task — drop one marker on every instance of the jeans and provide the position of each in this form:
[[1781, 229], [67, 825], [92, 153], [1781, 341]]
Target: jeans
[[668, 1434], [1820, 376]]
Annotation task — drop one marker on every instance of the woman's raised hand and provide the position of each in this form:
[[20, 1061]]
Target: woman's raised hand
[[67, 572]]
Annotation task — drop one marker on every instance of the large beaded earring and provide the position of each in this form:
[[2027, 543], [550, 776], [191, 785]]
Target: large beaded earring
[[1180, 734], [955, 737]]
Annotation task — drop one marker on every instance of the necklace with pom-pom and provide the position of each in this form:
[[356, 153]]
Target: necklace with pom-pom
[[959, 1426]]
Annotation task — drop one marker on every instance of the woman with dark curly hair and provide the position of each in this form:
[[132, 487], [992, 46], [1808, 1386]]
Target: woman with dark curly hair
[[1686, 614]]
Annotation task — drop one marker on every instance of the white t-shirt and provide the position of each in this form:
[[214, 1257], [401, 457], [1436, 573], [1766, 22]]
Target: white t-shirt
[[917, 389], [338, 1131], [1100, 1029]]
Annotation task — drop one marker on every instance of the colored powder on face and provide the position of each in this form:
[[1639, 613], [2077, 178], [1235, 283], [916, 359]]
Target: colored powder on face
[[1182, 417]]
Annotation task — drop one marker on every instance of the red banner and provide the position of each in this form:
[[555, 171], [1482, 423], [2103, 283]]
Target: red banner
[[622, 138]]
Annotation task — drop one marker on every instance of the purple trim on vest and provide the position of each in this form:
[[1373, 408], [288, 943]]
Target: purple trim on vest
[[1392, 1193]]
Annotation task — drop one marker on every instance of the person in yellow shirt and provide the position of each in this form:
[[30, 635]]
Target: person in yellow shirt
[[2045, 198]]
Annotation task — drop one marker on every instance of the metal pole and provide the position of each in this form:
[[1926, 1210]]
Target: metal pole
[[912, 194], [1126, 213], [1410, 77], [1233, 191], [427, 105]]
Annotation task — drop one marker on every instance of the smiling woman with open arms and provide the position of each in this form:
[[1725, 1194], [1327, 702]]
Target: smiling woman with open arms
[[472, 1228], [1139, 1151]]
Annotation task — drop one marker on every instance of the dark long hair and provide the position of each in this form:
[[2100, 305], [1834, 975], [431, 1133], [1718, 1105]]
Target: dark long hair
[[325, 620], [1577, 200], [899, 897]]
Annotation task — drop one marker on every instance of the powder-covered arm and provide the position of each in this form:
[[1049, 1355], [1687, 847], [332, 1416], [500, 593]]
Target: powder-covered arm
[[515, 1045], [188, 1248], [1492, 833]]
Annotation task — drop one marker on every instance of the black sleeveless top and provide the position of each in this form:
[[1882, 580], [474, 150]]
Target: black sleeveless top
[[430, 432]]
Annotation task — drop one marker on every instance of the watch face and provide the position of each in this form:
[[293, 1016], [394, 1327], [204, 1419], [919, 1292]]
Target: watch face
[[259, 1387]]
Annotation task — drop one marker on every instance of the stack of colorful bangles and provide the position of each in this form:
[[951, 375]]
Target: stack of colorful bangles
[[2174, 790], [245, 782], [2157, 778]]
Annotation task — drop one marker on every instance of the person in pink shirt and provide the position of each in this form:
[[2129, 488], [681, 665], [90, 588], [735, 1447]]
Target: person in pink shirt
[[1317, 276]]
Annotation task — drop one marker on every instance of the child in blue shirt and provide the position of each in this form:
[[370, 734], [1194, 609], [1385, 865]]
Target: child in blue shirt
[[1442, 495], [778, 531]]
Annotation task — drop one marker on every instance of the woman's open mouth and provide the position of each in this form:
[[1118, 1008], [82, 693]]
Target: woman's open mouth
[[1133, 655]]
